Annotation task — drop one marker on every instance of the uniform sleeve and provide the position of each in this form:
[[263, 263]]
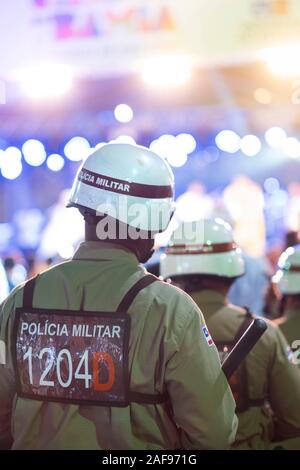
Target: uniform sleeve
[[284, 389], [203, 406], [7, 380]]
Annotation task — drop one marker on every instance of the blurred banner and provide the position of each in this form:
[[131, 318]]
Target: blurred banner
[[107, 37]]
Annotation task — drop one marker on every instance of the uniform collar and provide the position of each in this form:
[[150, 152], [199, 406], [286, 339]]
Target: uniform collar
[[97, 250], [209, 300]]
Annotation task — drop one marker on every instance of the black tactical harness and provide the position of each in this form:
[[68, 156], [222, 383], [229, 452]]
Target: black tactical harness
[[72, 345], [239, 380]]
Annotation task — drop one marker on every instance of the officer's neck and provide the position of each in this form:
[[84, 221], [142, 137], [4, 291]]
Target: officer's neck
[[141, 248]]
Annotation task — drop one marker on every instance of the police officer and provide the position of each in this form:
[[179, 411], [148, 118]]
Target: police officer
[[203, 259], [287, 279], [100, 354]]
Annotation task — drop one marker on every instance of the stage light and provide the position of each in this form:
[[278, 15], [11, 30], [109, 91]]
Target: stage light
[[167, 147], [283, 61], [167, 71], [250, 145], [291, 147], [124, 139], [2, 154], [45, 81], [77, 149], [228, 141], [186, 142], [34, 152], [271, 185], [11, 164], [275, 137], [123, 113], [55, 162]]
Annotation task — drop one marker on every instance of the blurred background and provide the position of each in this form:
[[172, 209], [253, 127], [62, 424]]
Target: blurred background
[[214, 87]]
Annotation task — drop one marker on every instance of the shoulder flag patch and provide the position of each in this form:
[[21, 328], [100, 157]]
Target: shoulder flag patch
[[207, 336]]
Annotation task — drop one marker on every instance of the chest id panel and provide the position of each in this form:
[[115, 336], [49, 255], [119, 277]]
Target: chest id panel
[[75, 357]]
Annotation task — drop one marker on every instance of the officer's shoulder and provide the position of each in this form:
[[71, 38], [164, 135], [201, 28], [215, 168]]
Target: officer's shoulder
[[272, 329], [16, 294], [52, 270], [272, 334], [173, 304], [173, 296], [15, 297], [236, 309], [280, 321]]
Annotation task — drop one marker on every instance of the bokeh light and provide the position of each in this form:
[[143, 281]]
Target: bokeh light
[[55, 162], [262, 96], [284, 60], [167, 147], [271, 185], [186, 142], [167, 71], [275, 137], [11, 164], [77, 149], [250, 145], [291, 147], [123, 113], [34, 152], [228, 141], [45, 80]]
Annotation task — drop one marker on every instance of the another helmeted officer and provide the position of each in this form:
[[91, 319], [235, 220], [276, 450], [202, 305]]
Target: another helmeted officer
[[101, 354], [203, 259], [287, 279]]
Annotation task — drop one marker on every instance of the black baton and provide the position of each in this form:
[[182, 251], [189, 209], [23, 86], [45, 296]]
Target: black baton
[[243, 346]]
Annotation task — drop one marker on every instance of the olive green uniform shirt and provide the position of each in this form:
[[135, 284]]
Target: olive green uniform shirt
[[270, 374], [289, 324], [167, 351]]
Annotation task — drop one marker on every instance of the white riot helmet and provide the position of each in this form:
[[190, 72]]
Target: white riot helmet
[[202, 247], [288, 275], [128, 182]]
